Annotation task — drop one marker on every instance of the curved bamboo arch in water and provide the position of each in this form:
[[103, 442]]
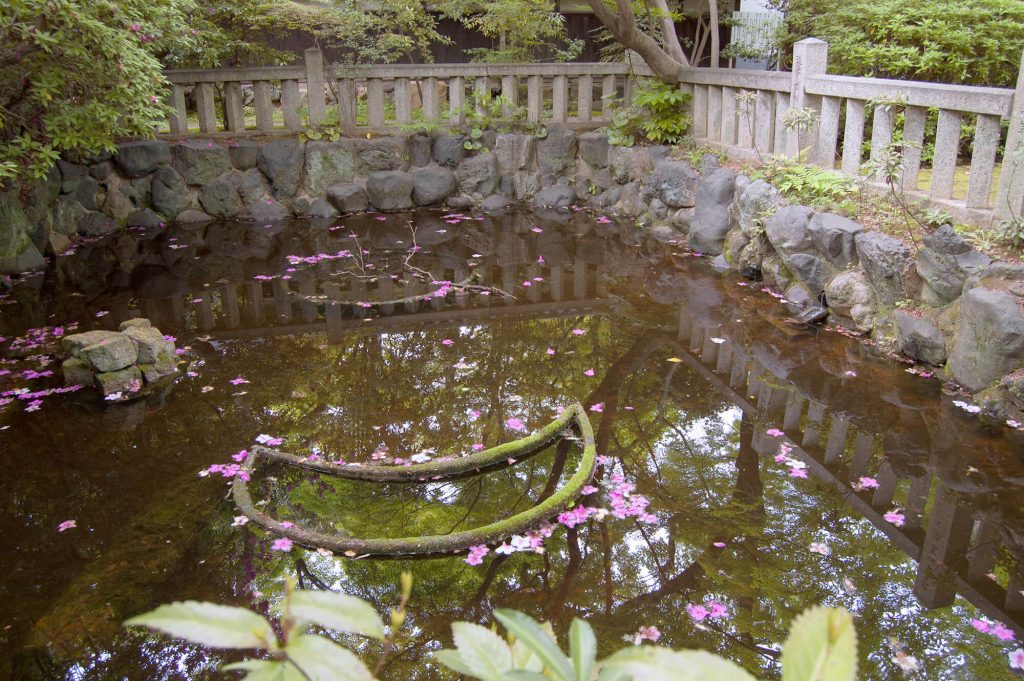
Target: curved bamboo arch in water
[[432, 472]]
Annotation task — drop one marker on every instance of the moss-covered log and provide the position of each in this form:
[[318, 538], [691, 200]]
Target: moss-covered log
[[456, 541]]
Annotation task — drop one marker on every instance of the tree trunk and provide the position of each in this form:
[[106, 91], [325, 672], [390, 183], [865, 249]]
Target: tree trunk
[[622, 26], [715, 57]]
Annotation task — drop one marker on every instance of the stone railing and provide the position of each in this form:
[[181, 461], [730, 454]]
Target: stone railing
[[748, 125], [382, 98]]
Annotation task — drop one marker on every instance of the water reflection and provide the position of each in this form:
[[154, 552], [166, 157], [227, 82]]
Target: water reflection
[[692, 371]]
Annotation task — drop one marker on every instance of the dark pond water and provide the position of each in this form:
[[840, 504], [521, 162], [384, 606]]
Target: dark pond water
[[695, 374]]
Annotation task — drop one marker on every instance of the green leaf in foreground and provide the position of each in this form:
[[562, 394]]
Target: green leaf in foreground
[[822, 646], [526, 629], [335, 611], [321, 659], [651, 663], [213, 625], [482, 650]]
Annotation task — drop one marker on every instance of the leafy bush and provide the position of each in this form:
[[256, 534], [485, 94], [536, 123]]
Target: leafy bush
[[822, 644], [974, 42], [658, 113]]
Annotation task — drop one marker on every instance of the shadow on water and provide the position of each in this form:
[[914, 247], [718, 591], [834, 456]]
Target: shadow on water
[[344, 350]]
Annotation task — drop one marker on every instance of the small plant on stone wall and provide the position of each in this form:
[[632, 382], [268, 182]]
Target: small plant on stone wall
[[887, 169], [814, 186], [658, 114], [1013, 226], [746, 103], [800, 121], [485, 112]]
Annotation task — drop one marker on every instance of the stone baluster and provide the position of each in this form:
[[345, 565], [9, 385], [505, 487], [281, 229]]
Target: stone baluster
[[234, 114], [290, 104], [947, 149], [375, 103], [264, 107], [205, 107], [178, 119], [315, 87], [913, 142]]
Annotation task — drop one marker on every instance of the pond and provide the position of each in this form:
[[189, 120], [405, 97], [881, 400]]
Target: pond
[[748, 465]]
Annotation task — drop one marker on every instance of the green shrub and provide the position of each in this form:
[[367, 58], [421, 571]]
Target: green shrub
[[658, 114]]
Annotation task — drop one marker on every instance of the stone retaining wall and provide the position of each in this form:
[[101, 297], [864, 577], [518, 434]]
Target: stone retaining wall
[[943, 304]]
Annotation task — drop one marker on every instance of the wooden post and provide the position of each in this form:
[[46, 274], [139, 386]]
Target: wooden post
[[315, 87]]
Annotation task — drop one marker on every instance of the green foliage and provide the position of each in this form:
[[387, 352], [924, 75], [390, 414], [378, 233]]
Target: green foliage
[[658, 114], [519, 29], [295, 653], [975, 42], [822, 646], [75, 76], [810, 185], [486, 112]]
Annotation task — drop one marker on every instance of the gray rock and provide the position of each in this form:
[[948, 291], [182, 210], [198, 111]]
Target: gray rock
[[244, 154], [630, 203], [282, 161], [525, 184], [496, 203], [594, 149], [151, 346], [675, 183], [96, 224], [263, 212], [834, 237], [169, 193], [154, 372], [135, 322], [556, 153], [77, 372], [111, 353], [850, 294], [665, 234], [219, 197], [66, 214], [420, 150], [193, 216], [478, 176], [321, 208], [126, 381], [389, 190], [810, 270], [136, 159], [71, 175], [17, 252], [74, 344], [712, 214], [253, 188], [348, 197], [755, 204], [432, 185], [514, 151], [559, 196], [787, 230], [629, 164], [119, 203], [86, 193], [459, 202], [449, 150], [800, 295], [945, 264], [327, 163], [919, 338], [380, 153], [889, 266], [200, 161], [709, 163], [144, 217], [989, 339]]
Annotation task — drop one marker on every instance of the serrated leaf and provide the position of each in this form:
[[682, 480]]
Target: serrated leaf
[[213, 625], [482, 650], [652, 663], [266, 670], [582, 648], [523, 675], [822, 646], [321, 659], [523, 658], [536, 639], [339, 612], [451, 659]]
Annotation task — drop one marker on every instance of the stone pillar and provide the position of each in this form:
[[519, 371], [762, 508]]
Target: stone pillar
[[315, 87], [810, 58], [1010, 197]]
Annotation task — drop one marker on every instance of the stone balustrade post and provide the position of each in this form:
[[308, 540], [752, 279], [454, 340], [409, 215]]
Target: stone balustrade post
[[1010, 196], [315, 87], [810, 58]]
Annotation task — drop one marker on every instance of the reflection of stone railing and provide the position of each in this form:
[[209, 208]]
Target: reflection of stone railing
[[957, 548]]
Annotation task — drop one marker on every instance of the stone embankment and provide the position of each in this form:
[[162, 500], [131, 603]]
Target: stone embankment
[[941, 303]]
